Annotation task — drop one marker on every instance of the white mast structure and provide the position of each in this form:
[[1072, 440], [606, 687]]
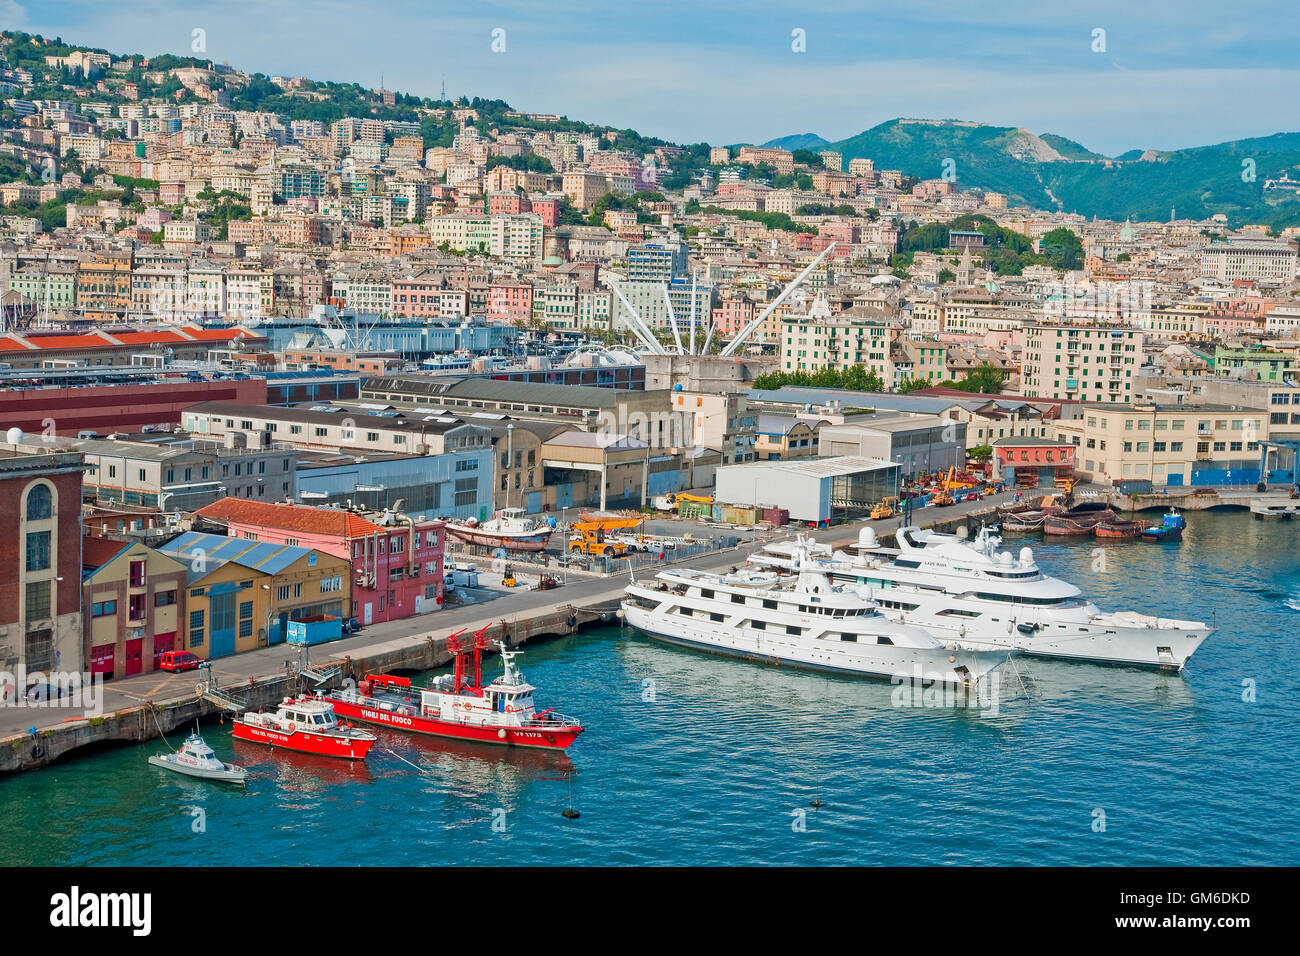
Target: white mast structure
[[758, 321], [651, 343]]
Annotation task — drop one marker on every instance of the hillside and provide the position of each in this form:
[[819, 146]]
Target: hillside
[[1052, 172], [798, 141]]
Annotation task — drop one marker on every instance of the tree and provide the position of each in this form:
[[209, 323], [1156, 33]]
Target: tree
[[986, 378], [980, 453], [1062, 249], [946, 275]]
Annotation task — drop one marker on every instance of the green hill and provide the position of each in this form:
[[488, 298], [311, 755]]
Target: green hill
[[798, 141], [1052, 172]]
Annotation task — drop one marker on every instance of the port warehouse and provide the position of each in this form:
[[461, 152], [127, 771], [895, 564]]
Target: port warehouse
[[813, 489], [129, 398]]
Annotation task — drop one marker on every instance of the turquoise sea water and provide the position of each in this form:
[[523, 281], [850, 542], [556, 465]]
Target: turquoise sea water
[[695, 759]]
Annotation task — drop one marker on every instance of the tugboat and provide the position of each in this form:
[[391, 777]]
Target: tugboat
[[197, 759], [453, 705], [1169, 529], [306, 724]]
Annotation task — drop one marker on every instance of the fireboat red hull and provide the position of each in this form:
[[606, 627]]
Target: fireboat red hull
[[324, 745], [557, 738]]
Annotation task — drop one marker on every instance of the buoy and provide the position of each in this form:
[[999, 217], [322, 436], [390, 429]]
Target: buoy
[[619, 613], [814, 803], [502, 733], [570, 814]]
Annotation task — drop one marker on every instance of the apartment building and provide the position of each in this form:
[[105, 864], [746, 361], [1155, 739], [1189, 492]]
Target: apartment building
[[1248, 260], [1169, 445], [1081, 363]]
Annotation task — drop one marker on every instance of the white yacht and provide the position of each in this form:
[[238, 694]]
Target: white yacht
[[969, 593], [804, 622]]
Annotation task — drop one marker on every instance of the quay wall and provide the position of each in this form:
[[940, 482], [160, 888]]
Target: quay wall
[[177, 712]]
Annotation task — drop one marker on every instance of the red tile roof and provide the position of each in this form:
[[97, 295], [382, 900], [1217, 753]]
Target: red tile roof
[[102, 339], [328, 521]]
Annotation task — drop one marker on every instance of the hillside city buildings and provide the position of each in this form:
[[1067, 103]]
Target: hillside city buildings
[[299, 348]]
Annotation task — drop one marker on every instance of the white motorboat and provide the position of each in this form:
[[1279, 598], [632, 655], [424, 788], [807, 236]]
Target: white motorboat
[[807, 622], [509, 528], [969, 593], [196, 759]]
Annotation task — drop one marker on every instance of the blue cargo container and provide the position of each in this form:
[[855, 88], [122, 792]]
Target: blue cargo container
[[315, 630]]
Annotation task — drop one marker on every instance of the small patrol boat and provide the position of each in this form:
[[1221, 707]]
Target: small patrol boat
[[306, 724], [196, 759]]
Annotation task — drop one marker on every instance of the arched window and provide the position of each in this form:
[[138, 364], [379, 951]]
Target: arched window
[[39, 503]]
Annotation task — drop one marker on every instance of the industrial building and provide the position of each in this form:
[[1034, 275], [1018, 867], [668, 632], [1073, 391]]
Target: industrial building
[[814, 490]]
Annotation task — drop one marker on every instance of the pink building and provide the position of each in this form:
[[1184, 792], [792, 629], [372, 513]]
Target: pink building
[[508, 301], [508, 202], [548, 208], [417, 297], [732, 315], [396, 560]]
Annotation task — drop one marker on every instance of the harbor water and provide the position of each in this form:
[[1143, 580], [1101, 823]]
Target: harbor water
[[694, 759]]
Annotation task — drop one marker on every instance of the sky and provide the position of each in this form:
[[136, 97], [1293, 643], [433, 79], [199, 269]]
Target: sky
[[1111, 75]]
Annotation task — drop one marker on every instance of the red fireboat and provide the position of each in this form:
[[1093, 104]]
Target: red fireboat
[[307, 724], [452, 706]]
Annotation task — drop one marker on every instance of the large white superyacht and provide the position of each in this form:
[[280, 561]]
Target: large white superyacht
[[802, 621], [977, 597]]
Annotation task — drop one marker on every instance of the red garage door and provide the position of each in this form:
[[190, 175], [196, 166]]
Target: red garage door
[[162, 643]]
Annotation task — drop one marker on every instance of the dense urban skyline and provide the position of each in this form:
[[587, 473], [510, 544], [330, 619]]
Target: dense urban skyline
[[1161, 82]]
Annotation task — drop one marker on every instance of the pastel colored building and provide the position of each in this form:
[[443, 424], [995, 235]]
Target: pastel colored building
[[131, 599], [396, 560]]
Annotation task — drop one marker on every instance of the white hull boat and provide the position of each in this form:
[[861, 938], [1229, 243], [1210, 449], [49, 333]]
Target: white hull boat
[[196, 759], [808, 624], [976, 598]]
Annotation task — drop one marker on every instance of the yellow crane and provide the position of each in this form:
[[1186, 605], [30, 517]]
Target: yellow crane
[[944, 497], [589, 536]]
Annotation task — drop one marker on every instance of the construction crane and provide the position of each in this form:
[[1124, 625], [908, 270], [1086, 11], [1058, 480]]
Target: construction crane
[[944, 497], [589, 536]]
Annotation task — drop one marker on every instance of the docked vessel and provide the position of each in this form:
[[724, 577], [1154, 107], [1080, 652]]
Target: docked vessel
[[458, 705], [1076, 522], [1119, 528], [969, 593], [1027, 519], [1170, 528], [306, 724], [509, 528], [805, 622], [196, 759]]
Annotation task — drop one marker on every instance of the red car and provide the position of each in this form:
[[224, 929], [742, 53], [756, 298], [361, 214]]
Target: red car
[[973, 496], [179, 661]]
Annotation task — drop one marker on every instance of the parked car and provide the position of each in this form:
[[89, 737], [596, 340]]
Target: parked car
[[49, 690], [973, 496], [178, 661], [351, 626]]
